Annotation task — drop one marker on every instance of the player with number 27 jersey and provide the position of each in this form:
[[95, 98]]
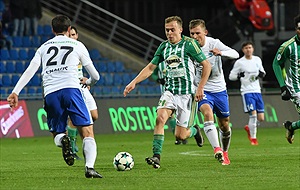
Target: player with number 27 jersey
[[60, 57]]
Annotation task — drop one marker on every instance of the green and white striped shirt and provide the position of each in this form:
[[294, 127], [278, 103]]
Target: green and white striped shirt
[[288, 57], [179, 61]]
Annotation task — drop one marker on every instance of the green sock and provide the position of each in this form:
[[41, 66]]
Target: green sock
[[172, 123], [296, 125], [193, 131], [72, 133], [158, 141]]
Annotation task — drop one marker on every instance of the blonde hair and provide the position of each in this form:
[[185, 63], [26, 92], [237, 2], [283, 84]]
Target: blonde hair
[[174, 18], [197, 22]]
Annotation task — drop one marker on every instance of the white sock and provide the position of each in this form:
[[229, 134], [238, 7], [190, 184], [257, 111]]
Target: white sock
[[89, 151], [57, 139], [211, 133], [252, 126]]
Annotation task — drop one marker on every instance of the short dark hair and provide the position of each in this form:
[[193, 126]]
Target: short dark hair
[[297, 20], [60, 23], [74, 28], [247, 43]]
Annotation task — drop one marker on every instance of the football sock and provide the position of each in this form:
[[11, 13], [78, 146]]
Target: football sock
[[296, 125], [158, 141], [225, 138], [89, 151], [193, 131], [57, 139], [172, 124], [72, 133], [252, 126], [211, 133]]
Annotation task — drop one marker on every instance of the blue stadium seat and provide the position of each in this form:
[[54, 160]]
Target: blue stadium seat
[[32, 91], [4, 54], [116, 90], [17, 41], [126, 78], [111, 67], [31, 53], [44, 39], [35, 80], [10, 67], [3, 92], [23, 55], [39, 90], [6, 80], [40, 30], [2, 67], [106, 90], [14, 54], [97, 90], [118, 80], [119, 66], [101, 66], [36, 41], [15, 78], [95, 54], [20, 66], [108, 78], [142, 90], [47, 30], [26, 41]]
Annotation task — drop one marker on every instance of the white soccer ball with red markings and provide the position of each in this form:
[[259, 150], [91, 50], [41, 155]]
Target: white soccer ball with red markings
[[123, 161]]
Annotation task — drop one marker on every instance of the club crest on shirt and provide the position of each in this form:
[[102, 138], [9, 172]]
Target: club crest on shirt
[[278, 57], [173, 61]]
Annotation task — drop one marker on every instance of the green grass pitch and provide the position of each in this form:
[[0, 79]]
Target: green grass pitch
[[35, 163]]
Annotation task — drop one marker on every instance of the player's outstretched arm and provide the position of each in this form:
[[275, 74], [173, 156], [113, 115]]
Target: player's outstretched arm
[[144, 74]]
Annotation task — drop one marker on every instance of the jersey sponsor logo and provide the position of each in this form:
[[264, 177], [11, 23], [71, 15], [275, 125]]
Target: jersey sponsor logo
[[173, 61], [57, 69], [174, 73]]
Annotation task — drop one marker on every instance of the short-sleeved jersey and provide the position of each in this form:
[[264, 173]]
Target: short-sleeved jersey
[[251, 67], [179, 60], [60, 57], [216, 81], [288, 56]]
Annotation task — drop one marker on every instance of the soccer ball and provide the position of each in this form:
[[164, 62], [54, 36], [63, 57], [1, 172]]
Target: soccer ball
[[123, 161]]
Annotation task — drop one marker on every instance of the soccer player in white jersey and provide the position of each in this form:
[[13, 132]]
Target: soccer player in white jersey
[[89, 100], [180, 54], [59, 58], [216, 97], [248, 69], [288, 59]]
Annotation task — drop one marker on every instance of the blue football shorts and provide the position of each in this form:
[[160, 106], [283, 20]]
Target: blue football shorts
[[64, 103], [253, 101], [218, 101]]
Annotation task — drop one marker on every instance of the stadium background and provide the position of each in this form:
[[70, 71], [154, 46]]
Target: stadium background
[[104, 32]]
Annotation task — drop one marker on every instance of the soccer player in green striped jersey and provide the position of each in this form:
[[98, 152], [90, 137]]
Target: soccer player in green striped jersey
[[179, 53], [286, 66]]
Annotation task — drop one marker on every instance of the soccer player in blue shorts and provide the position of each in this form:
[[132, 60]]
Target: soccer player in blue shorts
[[59, 58], [248, 69], [215, 94]]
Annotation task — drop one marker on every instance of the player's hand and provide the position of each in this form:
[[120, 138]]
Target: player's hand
[[83, 82], [199, 94], [13, 100], [241, 74], [161, 81], [216, 52], [128, 88], [285, 93], [260, 75]]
